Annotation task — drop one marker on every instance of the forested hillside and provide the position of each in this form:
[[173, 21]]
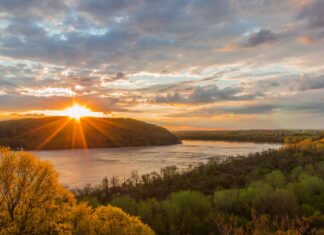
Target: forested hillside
[[66, 133], [267, 136]]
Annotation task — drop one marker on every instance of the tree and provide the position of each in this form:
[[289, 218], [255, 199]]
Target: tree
[[125, 202], [30, 194], [32, 201], [188, 212], [109, 220]]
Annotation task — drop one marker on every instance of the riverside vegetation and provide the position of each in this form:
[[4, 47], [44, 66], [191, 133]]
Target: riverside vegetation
[[273, 192], [263, 136]]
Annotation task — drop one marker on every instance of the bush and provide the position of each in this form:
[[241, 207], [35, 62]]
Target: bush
[[110, 220]]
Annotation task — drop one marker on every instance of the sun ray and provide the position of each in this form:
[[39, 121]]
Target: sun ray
[[47, 125], [109, 122], [81, 133], [94, 125], [74, 135]]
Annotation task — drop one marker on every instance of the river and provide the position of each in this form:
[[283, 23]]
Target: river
[[80, 167]]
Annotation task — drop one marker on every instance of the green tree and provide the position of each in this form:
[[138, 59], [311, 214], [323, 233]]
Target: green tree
[[188, 212]]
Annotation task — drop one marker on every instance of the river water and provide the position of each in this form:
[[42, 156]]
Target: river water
[[80, 167]]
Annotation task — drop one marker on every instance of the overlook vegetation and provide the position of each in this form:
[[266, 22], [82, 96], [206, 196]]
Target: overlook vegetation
[[274, 192], [33, 202], [268, 136], [66, 133]]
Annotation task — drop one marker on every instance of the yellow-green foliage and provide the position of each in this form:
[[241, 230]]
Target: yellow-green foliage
[[32, 201], [112, 220]]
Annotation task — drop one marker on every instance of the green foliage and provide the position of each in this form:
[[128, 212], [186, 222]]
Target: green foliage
[[185, 212], [155, 214], [309, 191], [188, 212], [273, 136], [274, 192], [276, 179], [125, 202]]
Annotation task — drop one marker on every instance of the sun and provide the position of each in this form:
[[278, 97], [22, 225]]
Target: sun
[[78, 111]]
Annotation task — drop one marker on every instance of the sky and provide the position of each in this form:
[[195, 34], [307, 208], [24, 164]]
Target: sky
[[182, 64]]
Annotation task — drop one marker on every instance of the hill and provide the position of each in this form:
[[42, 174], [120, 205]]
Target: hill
[[66, 133], [267, 136]]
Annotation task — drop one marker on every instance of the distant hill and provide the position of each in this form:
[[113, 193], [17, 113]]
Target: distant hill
[[65, 133], [268, 136]]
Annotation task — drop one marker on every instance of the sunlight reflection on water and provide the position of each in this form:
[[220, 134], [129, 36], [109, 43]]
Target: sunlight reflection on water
[[80, 167]]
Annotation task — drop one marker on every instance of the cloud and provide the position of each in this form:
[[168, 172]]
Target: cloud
[[33, 8], [306, 40], [254, 109], [139, 54], [23, 103], [226, 110], [206, 94], [255, 39], [119, 76], [310, 83], [23, 26], [146, 14], [312, 13], [263, 36]]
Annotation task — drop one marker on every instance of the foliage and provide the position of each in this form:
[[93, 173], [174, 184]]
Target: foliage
[[188, 212], [30, 195], [273, 136], [308, 145], [259, 208], [110, 220], [33, 202], [65, 133], [274, 192]]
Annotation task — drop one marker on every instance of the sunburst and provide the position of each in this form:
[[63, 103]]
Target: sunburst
[[78, 111], [75, 113]]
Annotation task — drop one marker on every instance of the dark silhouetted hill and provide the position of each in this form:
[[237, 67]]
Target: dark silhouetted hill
[[66, 133]]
